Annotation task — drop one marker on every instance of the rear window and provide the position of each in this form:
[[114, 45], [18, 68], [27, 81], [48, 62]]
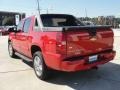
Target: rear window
[[59, 20]]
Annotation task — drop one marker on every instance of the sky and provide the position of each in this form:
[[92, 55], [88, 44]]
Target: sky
[[78, 8]]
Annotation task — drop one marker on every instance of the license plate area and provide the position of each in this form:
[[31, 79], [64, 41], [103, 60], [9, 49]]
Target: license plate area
[[93, 58]]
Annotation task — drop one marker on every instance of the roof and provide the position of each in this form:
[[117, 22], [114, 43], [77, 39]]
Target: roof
[[6, 12], [56, 14]]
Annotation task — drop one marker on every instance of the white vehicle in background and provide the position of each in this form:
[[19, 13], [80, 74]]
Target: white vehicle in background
[[4, 30], [88, 23]]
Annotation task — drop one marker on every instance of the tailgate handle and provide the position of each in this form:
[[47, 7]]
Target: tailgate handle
[[92, 32]]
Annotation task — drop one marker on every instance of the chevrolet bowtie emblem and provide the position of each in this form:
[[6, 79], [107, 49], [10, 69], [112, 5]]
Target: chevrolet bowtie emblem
[[93, 39]]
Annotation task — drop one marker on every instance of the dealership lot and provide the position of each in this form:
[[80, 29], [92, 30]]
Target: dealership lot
[[16, 74]]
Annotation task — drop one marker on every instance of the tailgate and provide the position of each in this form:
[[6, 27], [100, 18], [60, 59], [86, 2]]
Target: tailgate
[[88, 40]]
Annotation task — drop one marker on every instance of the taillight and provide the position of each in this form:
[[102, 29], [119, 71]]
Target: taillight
[[61, 43]]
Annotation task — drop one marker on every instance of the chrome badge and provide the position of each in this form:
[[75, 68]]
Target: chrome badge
[[93, 39]]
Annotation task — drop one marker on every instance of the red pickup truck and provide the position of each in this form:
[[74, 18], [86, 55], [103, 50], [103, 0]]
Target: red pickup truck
[[61, 42]]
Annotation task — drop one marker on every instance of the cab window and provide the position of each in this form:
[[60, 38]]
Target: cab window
[[26, 25], [20, 25], [36, 26]]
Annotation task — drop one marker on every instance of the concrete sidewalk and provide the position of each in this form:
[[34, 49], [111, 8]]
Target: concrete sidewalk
[[18, 75], [117, 32]]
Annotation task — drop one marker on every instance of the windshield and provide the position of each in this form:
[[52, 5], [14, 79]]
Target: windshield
[[51, 20]]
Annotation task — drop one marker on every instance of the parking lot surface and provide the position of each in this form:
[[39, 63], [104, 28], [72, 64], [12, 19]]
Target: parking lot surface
[[16, 74]]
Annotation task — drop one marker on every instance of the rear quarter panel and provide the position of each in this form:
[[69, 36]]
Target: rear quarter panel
[[47, 43]]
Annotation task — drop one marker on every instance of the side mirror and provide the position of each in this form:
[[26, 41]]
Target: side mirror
[[13, 29]]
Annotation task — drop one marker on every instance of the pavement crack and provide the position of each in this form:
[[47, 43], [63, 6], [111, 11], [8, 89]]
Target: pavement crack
[[15, 71]]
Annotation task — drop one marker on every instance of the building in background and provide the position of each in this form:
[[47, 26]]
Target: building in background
[[10, 18], [103, 20]]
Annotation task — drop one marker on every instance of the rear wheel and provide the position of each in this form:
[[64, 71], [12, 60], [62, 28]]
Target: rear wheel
[[11, 50], [40, 68]]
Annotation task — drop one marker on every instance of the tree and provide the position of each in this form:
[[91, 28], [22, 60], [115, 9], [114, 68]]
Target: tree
[[8, 21]]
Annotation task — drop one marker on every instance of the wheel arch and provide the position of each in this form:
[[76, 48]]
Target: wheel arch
[[9, 40], [35, 48]]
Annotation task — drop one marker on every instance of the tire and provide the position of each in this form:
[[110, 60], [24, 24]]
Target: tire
[[11, 50], [40, 68]]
